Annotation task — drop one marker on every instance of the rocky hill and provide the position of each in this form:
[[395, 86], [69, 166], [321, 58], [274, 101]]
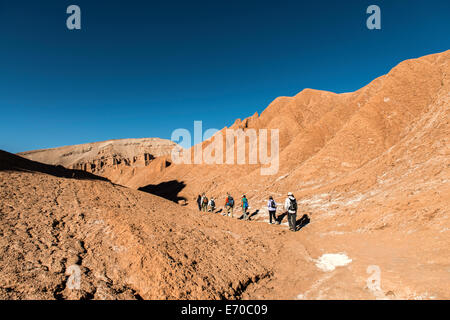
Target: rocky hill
[[112, 158], [126, 244], [383, 146]]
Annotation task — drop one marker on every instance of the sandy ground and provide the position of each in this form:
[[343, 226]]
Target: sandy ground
[[130, 245]]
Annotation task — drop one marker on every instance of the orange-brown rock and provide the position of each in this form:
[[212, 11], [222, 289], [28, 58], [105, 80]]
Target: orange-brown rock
[[370, 170], [111, 159]]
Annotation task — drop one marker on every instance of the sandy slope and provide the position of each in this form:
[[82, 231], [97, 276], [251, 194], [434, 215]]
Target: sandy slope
[[128, 243], [131, 245]]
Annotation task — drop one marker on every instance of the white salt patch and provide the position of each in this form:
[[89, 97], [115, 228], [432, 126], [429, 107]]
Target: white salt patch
[[329, 261], [354, 200]]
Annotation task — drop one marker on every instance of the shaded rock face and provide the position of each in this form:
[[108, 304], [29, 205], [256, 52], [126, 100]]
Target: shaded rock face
[[103, 157]]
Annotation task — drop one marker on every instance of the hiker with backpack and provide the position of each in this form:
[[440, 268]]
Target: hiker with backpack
[[272, 208], [244, 204], [291, 206], [204, 203], [229, 204], [212, 205]]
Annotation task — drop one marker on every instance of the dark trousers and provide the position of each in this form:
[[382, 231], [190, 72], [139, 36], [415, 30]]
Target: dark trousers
[[272, 215], [292, 220], [199, 206]]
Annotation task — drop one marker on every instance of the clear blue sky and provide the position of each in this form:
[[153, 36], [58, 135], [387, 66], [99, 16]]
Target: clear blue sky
[[144, 68]]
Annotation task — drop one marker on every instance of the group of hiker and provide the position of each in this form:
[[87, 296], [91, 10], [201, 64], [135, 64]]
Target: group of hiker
[[290, 206]]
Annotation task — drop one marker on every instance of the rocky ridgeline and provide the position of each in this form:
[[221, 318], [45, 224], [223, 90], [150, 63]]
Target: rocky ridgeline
[[98, 156], [113, 161]]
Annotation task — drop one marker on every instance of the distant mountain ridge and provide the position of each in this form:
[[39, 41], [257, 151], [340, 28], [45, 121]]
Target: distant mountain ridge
[[99, 156]]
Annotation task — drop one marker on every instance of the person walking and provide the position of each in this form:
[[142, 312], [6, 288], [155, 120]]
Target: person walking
[[211, 205], [244, 204], [229, 204], [204, 203], [291, 207], [199, 202], [272, 208]]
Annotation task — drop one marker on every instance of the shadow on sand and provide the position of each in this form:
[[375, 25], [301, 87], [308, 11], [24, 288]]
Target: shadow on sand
[[249, 215], [168, 190], [280, 218], [302, 222]]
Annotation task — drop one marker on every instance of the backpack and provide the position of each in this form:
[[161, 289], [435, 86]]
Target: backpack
[[292, 205], [231, 201], [272, 204], [212, 203]]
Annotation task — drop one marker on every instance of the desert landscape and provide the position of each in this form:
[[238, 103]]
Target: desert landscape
[[370, 170]]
